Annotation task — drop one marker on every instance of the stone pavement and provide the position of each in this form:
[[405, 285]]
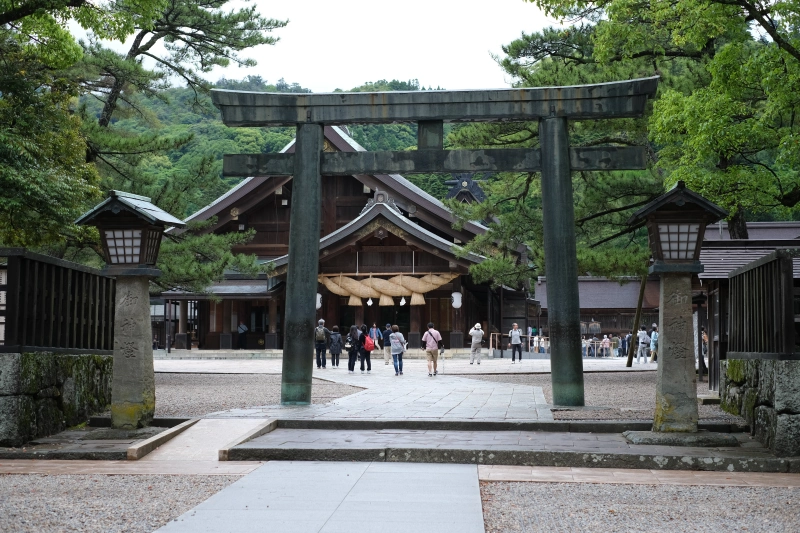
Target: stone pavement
[[411, 367], [414, 396], [544, 474], [332, 497]]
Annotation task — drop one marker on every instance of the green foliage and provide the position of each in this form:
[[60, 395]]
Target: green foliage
[[45, 182], [193, 260]]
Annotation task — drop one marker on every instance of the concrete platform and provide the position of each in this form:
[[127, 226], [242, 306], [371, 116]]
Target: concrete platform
[[529, 448], [332, 497]]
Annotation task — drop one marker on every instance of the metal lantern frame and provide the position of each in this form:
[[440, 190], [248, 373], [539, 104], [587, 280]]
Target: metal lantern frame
[[676, 222], [131, 229]]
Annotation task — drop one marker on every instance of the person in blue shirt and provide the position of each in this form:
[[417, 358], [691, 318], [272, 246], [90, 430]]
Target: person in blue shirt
[[654, 344]]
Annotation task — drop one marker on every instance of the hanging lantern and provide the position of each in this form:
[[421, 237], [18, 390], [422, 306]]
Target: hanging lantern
[[456, 299]]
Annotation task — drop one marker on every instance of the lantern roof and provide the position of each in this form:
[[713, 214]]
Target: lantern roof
[[140, 206], [678, 197]]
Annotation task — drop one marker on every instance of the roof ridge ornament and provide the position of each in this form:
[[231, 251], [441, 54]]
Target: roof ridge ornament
[[381, 197]]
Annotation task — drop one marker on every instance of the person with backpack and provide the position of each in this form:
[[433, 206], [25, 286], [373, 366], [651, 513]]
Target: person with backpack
[[336, 346], [322, 337], [353, 347], [397, 345], [431, 343], [367, 345], [387, 344]]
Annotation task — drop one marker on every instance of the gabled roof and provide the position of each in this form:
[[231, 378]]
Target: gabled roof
[[133, 203], [407, 195], [679, 196], [385, 210]]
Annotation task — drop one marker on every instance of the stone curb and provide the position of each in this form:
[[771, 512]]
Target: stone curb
[[571, 426], [261, 429], [139, 450], [71, 455], [577, 459]]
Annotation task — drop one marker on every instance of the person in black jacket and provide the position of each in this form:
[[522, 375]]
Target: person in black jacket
[[365, 354], [355, 342], [336, 346]]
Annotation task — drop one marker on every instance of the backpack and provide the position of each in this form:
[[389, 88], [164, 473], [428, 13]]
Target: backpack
[[369, 344], [319, 334]]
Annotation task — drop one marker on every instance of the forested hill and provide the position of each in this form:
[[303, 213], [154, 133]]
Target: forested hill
[[180, 112]]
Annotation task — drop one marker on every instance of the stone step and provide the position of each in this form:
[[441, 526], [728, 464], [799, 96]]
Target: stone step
[[525, 448]]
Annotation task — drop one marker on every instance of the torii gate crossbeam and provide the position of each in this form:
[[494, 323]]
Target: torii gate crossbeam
[[552, 107]]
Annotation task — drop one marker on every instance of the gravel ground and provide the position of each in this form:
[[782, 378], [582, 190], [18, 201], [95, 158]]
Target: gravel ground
[[130, 504], [183, 394], [626, 395], [555, 507]]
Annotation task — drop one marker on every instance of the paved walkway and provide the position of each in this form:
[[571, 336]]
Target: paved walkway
[[412, 366], [554, 474], [415, 396], [329, 497]]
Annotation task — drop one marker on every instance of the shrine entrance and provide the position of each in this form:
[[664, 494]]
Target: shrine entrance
[[552, 107]]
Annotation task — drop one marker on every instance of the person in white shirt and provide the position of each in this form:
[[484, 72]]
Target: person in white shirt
[[643, 341], [475, 348], [515, 338]]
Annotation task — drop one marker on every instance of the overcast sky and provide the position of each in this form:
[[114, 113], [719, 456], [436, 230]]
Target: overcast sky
[[342, 44]]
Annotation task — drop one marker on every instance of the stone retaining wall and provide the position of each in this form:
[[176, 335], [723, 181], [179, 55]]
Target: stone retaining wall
[[766, 393], [43, 393]]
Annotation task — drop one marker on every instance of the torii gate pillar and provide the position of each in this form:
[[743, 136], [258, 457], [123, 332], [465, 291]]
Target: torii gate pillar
[[563, 311]]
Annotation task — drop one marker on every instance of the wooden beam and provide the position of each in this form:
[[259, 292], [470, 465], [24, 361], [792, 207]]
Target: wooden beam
[[432, 161]]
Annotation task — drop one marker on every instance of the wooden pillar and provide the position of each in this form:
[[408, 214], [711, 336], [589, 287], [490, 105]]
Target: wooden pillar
[[273, 315], [183, 317], [359, 315], [226, 316]]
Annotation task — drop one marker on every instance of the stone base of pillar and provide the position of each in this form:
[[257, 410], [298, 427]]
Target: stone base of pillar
[[133, 392]]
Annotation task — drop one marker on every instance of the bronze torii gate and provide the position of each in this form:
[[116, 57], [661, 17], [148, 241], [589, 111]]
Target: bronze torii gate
[[551, 106]]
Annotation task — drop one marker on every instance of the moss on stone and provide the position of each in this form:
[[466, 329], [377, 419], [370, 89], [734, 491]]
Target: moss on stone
[[736, 371]]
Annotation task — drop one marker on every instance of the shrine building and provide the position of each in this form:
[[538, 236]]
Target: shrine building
[[387, 255]]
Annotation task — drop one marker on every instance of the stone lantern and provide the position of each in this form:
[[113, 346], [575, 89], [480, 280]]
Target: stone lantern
[[675, 223], [131, 230]]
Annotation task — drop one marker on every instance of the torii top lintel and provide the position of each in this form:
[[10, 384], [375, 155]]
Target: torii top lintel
[[620, 99]]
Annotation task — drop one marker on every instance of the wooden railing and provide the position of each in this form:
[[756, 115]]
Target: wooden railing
[[761, 309], [53, 305]]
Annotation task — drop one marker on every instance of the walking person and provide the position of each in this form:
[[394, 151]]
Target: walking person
[[515, 339], [387, 345], [654, 344], [242, 330], [367, 345], [475, 348], [605, 347], [623, 350], [432, 341], [322, 337], [336, 346], [397, 345], [642, 341], [352, 345]]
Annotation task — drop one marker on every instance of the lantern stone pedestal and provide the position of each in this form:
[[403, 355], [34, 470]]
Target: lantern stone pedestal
[[676, 390], [133, 391]]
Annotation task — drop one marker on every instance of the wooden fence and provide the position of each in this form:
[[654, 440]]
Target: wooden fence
[[761, 309], [53, 305]]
